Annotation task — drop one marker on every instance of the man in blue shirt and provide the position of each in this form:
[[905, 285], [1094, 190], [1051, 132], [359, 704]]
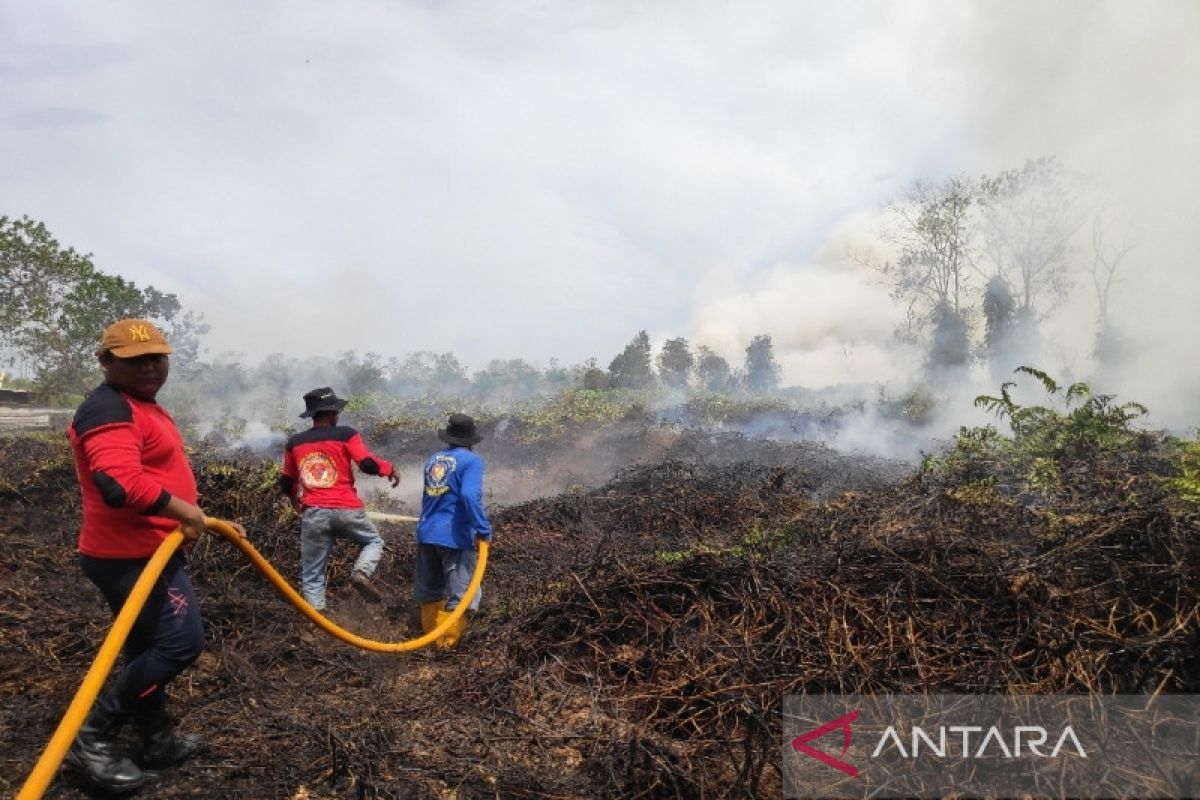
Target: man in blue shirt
[[451, 519]]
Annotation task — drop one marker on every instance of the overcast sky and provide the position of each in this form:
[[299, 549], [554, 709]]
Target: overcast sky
[[544, 179]]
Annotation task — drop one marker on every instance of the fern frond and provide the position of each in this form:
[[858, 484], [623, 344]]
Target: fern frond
[[1050, 384]]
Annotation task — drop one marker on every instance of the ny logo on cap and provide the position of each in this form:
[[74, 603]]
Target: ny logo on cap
[[139, 333]]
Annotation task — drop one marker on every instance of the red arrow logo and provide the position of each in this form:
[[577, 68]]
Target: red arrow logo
[[842, 723]]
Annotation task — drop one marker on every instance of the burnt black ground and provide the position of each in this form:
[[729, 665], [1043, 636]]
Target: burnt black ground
[[637, 634]]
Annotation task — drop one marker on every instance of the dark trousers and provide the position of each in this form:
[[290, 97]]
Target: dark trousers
[[167, 636]]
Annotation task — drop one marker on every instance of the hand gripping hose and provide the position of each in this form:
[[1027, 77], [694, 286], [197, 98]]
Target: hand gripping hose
[[43, 772]]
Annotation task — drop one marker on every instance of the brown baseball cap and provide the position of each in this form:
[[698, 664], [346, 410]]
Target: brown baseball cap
[[131, 338]]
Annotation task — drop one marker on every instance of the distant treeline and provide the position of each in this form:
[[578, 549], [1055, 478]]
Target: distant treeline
[[977, 263]]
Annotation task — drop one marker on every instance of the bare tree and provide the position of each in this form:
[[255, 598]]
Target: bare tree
[[1028, 219], [934, 232], [1107, 256], [1106, 259], [934, 237]]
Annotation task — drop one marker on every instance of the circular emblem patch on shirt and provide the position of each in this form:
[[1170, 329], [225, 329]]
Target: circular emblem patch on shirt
[[317, 471], [437, 472]]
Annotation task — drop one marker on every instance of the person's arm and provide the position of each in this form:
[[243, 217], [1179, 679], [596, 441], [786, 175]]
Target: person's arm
[[287, 476], [370, 463], [472, 499], [114, 458]]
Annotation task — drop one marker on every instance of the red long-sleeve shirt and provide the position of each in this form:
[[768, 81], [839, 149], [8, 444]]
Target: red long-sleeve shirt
[[130, 461], [317, 471]]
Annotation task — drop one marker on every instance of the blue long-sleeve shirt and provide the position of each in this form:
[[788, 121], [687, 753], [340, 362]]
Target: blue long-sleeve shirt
[[452, 501]]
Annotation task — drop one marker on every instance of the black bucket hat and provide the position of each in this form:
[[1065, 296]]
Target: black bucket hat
[[322, 399], [460, 431]]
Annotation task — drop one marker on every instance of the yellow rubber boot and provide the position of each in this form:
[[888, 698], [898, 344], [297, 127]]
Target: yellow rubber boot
[[451, 637], [429, 615], [456, 632]]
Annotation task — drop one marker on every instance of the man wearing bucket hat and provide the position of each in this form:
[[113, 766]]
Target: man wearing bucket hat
[[137, 489], [318, 477], [451, 519]]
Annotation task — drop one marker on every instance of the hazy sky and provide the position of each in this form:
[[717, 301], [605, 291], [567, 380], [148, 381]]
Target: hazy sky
[[544, 179]]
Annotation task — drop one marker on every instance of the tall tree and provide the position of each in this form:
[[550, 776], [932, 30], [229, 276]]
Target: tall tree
[[449, 374], [32, 264], [427, 371], [511, 378], [277, 372], [949, 345], [933, 228], [1107, 254], [999, 308], [591, 376], [713, 373], [412, 375], [933, 232], [762, 370], [54, 304], [37, 275], [675, 362], [186, 334], [631, 368], [557, 377], [1028, 218], [360, 375], [226, 379]]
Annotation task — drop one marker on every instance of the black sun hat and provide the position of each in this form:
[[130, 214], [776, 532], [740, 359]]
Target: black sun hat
[[322, 399], [460, 431]]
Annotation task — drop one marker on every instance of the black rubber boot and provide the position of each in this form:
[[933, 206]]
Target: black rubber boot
[[162, 749], [97, 754]]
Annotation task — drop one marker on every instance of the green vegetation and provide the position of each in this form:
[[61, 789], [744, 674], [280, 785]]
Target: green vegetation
[[760, 541], [686, 554], [1074, 434], [1095, 423], [1045, 439], [713, 409], [1185, 455], [54, 303], [757, 542]]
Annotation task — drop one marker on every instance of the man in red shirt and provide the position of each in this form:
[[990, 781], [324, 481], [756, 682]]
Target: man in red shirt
[[137, 489], [318, 477]]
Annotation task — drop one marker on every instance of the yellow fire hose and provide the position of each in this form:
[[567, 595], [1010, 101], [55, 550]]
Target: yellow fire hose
[[43, 772]]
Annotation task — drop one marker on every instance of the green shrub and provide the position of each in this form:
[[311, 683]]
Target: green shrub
[[1185, 457], [1076, 426]]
